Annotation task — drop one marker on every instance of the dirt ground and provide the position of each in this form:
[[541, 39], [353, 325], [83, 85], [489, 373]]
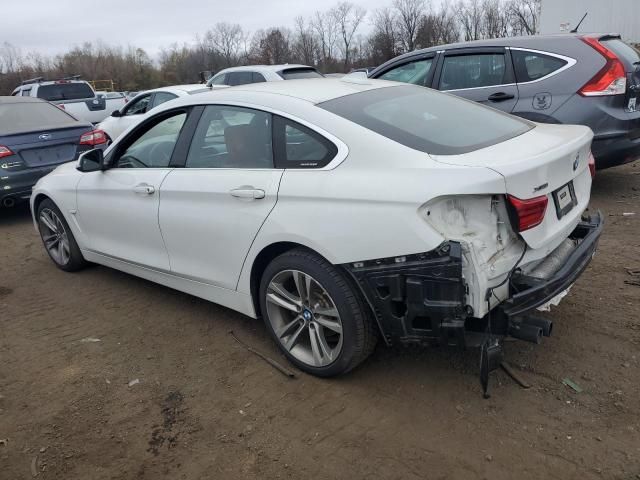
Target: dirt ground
[[205, 408]]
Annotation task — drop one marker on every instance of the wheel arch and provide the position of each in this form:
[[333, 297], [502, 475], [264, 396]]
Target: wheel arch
[[269, 252]]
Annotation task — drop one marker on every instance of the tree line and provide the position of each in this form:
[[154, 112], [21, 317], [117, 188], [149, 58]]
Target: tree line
[[332, 40]]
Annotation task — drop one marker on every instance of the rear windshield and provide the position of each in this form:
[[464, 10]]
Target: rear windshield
[[296, 73], [627, 53], [65, 91], [27, 117], [426, 120]]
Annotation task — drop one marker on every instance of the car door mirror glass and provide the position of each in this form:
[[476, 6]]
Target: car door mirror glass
[[91, 161]]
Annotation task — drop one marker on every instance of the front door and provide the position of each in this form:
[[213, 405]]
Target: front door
[[213, 208], [118, 208], [484, 75]]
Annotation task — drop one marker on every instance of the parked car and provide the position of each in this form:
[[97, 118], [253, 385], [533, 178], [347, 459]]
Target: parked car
[[72, 95], [113, 95], [131, 113], [128, 96], [262, 73], [36, 137], [338, 210], [591, 80]]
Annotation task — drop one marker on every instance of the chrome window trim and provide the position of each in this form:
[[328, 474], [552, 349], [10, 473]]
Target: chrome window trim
[[570, 63]]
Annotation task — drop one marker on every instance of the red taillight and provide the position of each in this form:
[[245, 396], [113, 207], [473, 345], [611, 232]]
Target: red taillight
[[592, 165], [530, 212], [5, 151], [94, 137], [611, 79]]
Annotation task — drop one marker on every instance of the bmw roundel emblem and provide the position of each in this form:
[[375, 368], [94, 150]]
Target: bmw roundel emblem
[[45, 136], [576, 162]]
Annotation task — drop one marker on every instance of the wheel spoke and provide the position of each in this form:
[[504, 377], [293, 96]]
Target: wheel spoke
[[333, 325], [281, 302], [51, 241], [326, 312], [48, 222], [283, 297], [303, 284], [286, 330], [294, 337], [319, 347]]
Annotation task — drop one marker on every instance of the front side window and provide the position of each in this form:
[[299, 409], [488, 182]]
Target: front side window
[[154, 147], [415, 73], [427, 120], [473, 71], [161, 97], [300, 147], [218, 79], [239, 78], [138, 107], [231, 137], [532, 66]]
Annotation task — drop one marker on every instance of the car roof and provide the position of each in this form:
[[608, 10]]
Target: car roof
[[313, 90], [6, 100], [519, 41], [265, 68], [178, 88]]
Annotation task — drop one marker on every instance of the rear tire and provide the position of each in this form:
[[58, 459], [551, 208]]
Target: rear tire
[[315, 315], [58, 241]]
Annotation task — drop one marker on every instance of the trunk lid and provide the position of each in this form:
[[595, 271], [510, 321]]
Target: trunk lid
[[542, 161], [630, 58], [46, 147]]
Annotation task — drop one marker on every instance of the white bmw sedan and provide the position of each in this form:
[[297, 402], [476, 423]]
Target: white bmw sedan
[[339, 211]]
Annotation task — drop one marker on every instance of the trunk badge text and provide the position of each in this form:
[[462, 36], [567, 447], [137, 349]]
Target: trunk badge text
[[576, 162], [541, 187]]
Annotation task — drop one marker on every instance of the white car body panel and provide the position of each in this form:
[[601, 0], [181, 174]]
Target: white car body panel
[[377, 199]]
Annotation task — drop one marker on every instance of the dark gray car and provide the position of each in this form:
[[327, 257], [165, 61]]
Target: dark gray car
[[591, 80], [36, 137]]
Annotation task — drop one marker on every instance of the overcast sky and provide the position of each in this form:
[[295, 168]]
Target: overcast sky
[[53, 26]]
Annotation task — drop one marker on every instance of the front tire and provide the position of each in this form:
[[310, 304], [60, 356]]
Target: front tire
[[57, 238], [315, 315]]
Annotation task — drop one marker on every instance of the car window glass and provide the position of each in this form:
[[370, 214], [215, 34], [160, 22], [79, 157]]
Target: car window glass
[[161, 97], [138, 106], [218, 79], [472, 71], [302, 147], [231, 137], [531, 66], [298, 73], [24, 117], [239, 78], [26, 93], [153, 149], [258, 77], [64, 90], [412, 72]]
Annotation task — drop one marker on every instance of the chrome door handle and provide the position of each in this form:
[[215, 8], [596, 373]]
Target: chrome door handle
[[247, 192], [144, 189]]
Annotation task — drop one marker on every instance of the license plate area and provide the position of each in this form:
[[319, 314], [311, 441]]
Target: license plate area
[[564, 199]]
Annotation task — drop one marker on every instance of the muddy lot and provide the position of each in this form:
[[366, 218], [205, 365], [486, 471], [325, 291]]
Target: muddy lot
[[205, 408]]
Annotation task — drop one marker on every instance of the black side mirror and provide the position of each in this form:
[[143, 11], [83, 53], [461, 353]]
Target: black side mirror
[[116, 113], [91, 161]]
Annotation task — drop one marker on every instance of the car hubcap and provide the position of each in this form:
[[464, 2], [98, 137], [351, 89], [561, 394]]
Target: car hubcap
[[55, 237], [304, 318]]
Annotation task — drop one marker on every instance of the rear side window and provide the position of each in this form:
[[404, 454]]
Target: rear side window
[[473, 71], [412, 72], [258, 78], [532, 66], [25, 117], [161, 97], [297, 146], [296, 73], [65, 91], [427, 120]]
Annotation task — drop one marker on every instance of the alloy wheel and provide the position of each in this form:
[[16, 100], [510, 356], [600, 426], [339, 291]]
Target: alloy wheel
[[304, 318], [54, 236]]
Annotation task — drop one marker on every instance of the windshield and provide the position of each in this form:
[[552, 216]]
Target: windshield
[[65, 91], [426, 120]]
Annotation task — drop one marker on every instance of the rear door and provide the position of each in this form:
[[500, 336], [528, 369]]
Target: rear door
[[484, 75], [212, 209]]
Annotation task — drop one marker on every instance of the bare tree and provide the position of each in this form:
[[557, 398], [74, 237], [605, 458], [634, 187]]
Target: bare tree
[[305, 44], [409, 14], [524, 16], [227, 39], [347, 16], [324, 25], [470, 16], [384, 40], [495, 21]]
